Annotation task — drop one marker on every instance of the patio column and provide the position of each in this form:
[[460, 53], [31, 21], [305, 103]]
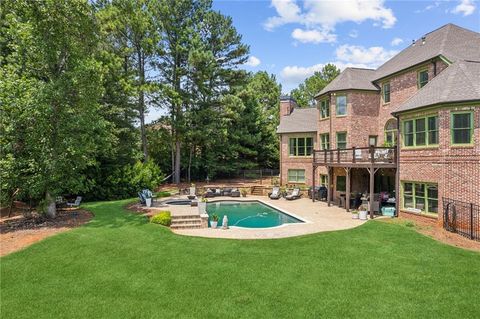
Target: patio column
[[347, 195], [313, 183], [329, 191], [372, 172]]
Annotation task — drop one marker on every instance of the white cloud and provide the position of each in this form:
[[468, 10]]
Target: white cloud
[[313, 36], [253, 61], [373, 56], [353, 34], [465, 7], [327, 14], [396, 41], [429, 7]]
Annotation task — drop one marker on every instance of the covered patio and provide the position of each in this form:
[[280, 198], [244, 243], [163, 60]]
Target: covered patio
[[372, 159]]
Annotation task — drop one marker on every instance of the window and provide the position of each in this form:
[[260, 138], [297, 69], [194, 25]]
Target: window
[[386, 92], [391, 132], [300, 146], [421, 131], [421, 196], [462, 128], [325, 109], [341, 183], [324, 180], [296, 176], [325, 141], [372, 140], [342, 140], [341, 105], [422, 78]]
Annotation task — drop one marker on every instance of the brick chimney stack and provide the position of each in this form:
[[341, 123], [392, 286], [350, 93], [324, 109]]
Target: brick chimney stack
[[287, 104]]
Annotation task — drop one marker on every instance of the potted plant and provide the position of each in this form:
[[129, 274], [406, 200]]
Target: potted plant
[[362, 212], [244, 192], [354, 214], [214, 221]]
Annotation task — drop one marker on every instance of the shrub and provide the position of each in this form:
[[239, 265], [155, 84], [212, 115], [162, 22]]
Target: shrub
[[163, 218]]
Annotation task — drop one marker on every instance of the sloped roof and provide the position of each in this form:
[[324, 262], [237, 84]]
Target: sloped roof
[[451, 41], [459, 82], [351, 78], [300, 120]]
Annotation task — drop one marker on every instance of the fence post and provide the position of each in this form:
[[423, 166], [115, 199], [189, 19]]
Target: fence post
[[471, 221]]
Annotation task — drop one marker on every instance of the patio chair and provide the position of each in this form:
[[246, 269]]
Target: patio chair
[[76, 203], [217, 192], [141, 198], [227, 192], [275, 194], [208, 193], [235, 193], [294, 195]]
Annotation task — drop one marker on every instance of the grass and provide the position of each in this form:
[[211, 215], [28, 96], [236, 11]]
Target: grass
[[121, 266]]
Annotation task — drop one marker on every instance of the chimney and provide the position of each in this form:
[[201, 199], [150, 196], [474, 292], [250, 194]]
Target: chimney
[[287, 104]]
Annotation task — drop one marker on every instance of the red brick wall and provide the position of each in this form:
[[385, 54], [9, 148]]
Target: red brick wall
[[455, 169]]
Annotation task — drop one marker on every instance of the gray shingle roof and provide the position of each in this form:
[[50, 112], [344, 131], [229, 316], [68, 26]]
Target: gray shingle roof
[[451, 41], [458, 82], [351, 78], [300, 120]]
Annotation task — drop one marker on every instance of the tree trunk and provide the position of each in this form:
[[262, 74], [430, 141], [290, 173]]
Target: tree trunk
[[51, 207], [190, 164], [177, 161], [141, 103]]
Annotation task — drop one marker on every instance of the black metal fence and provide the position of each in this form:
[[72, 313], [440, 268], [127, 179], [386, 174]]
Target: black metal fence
[[257, 173], [461, 218]]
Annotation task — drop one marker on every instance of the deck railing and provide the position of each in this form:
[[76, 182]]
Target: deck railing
[[356, 155]]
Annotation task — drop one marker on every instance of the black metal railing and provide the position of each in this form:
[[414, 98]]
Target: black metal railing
[[462, 218], [356, 155]]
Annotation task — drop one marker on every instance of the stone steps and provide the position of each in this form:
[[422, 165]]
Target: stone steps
[[257, 190], [186, 222]]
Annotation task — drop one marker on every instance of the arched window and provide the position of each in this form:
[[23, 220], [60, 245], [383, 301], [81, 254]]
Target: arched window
[[391, 132]]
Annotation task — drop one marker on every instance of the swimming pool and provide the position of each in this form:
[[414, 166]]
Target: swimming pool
[[249, 214]]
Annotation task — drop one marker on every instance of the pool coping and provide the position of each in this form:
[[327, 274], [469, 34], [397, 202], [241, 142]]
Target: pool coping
[[303, 220]]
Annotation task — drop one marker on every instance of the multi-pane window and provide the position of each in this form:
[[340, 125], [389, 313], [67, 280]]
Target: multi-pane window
[[341, 183], [324, 180], [325, 141], [422, 78], [386, 92], [341, 105], [342, 140], [462, 128], [324, 109], [390, 132], [300, 146], [296, 176], [421, 196], [421, 131]]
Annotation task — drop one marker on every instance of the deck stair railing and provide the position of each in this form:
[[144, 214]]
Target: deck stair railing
[[356, 155]]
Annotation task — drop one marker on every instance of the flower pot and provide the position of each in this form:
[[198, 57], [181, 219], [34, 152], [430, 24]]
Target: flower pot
[[213, 224], [148, 202], [362, 214], [354, 216]]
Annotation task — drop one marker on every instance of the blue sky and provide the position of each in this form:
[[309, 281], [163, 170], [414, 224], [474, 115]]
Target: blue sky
[[292, 39]]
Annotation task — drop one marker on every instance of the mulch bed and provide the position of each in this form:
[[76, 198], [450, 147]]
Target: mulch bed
[[18, 232]]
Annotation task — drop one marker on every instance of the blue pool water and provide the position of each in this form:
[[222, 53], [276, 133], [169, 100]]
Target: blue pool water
[[249, 214]]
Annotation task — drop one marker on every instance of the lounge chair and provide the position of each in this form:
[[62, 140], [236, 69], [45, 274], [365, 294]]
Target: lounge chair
[[294, 195], [141, 198], [217, 192], [275, 194], [227, 192], [76, 203]]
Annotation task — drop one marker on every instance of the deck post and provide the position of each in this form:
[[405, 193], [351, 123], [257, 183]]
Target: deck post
[[329, 191], [347, 195], [372, 180]]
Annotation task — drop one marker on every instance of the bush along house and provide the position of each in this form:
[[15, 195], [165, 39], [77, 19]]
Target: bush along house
[[407, 132]]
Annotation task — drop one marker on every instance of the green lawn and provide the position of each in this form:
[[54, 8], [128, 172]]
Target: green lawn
[[119, 266]]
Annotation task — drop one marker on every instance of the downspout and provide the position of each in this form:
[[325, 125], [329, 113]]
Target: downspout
[[397, 170], [434, 62]]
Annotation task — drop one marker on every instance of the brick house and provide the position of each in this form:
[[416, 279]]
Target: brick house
[[408, 130]]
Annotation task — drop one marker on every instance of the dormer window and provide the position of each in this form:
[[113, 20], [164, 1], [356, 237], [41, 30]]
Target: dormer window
[[386, 92], [422, 78]]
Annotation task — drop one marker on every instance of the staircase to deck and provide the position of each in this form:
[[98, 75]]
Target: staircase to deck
[[257, 190], [186, 222]]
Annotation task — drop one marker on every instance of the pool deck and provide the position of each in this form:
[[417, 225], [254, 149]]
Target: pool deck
[[319, 217]]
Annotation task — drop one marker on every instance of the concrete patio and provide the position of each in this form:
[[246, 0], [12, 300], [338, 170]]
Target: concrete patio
[[318, 216]]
